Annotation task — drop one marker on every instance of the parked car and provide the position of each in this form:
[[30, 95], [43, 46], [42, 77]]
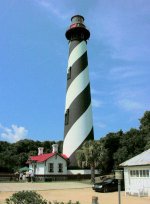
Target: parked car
[[106, 185]]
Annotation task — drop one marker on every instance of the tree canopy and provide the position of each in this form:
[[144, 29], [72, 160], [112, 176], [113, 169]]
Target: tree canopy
[[14, 156]]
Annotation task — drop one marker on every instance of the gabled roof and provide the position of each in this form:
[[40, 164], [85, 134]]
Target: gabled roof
[[44, 157], [139, 160]]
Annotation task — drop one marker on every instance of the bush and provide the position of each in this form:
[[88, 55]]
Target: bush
[[31, 197], [26, 197]]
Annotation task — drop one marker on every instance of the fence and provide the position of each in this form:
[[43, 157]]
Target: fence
[[8, 177]]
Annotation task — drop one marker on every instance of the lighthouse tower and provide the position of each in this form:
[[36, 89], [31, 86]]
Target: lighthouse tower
[[78, 109]]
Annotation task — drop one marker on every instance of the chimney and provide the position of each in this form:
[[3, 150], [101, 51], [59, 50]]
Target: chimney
[[55, 148], [40, 150]]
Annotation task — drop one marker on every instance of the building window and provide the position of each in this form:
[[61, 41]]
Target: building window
[[67, 117], [139, 173], [144, 173], [69, 73], [134, 173], [51, 167], [60, 167], [147, 173]]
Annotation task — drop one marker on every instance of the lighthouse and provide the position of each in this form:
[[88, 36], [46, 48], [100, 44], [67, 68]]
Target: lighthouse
[[78, 125]]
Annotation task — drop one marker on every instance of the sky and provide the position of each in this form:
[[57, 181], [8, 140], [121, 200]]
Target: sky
[[33, 63]]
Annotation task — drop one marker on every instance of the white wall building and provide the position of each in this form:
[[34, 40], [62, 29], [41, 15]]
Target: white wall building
[[137, 174], [48, 164]]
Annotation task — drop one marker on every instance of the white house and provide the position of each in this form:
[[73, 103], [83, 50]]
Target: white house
[[48, 164], [137, 174]]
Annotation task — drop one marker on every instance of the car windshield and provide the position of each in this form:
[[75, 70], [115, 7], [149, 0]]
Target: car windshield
[[108, 181]]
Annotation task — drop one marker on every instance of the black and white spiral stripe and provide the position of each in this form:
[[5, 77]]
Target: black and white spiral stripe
[[78, 99]]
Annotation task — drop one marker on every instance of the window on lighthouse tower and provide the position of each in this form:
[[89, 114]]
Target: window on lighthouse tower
[[67, 117], [69, 73]]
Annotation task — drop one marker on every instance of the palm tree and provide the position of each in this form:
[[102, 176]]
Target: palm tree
[[90, 155]]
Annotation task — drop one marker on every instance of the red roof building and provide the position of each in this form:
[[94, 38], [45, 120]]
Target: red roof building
[[48, 164], [44, 157]]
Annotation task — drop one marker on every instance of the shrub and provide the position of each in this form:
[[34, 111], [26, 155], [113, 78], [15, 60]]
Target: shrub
[[31, 197], [26, 197]]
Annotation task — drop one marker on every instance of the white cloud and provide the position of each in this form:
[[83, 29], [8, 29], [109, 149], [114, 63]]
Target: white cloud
[[94, 75], [126, 32], [58, 10], [132, 99], [124, 72], [14, 133], [96, 103], [100, 125], [96, 92], [130, 105]]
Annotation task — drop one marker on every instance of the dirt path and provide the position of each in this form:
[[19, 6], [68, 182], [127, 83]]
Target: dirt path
[[76, 192]]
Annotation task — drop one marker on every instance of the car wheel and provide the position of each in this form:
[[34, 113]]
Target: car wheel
[[105, 189]]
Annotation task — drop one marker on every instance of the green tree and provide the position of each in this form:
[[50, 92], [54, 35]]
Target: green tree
[[145, 122], [131, 144], [91, 154], [145, 128], [111, 143], [120, 156]]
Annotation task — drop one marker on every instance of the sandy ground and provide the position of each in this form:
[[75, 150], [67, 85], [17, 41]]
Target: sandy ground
[[65, 191]]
